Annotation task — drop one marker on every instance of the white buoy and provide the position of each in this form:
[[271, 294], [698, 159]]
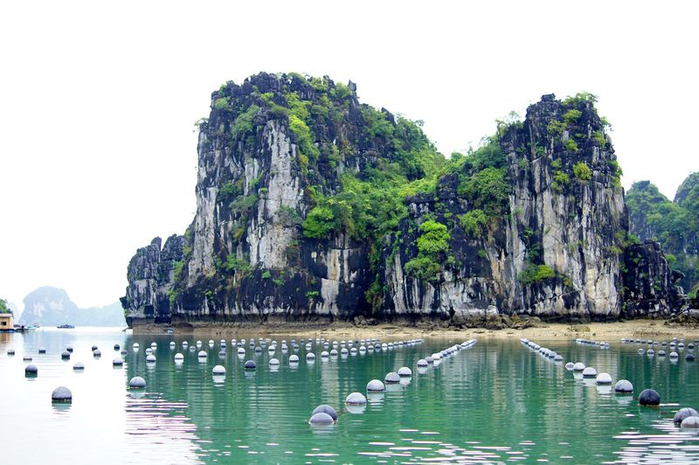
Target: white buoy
[[604, 378], [150, 358], [375, 385], [294, 358], [274, 362], [579, 366], [62, 395], [137, 382], [405, 372], [179, 357], [355, 398], [589, 372], [202, 354], [219, 370]]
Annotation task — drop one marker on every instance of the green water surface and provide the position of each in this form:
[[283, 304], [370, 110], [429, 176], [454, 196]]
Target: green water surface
[[497, 401]]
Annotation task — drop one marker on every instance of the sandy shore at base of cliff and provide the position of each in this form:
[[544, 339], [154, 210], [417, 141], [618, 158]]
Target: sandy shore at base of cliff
[[609, 332]]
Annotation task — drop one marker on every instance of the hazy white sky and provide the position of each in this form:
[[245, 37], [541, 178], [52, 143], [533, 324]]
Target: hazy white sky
[[98, 101]]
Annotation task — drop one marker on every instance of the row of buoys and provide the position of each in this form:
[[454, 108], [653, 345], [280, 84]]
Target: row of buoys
[[543, 351], [588, 342], [686, 417], [325, 415]]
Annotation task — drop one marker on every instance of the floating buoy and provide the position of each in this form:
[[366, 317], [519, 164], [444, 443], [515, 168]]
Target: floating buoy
[[135, 345], [392, 378], [649, 397], [333, 353], [117, 362], [65, 355], [10, 351], [219, 370], [589, 372], [42, 350], [201, 354], [294, 358], [150, 358], [179, 357], [31, 370], [324, 354], [310, 357], [326, 409], [78, 366], [137, 382], [690, 422], [94, 348], [172, 345], [241, 351], [569, 366], [661, 353], [375, 385], [422, 363], [604, 378], [690, 357], [96, 353], [355, 398], [250, 365], [623, 386], [321, 418], [405, 372], [579, 366], [62, 395], [674, 355], [26, 358], [641, 351], [273, 362], [684, 413]]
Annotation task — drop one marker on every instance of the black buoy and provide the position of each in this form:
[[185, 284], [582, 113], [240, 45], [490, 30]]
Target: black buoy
[[117, 347], [65, 355], [62, 395], [326, 409], [69, 349], [42, 350], [94, 348], [649, 397], [31, 370], [250, 365], [78, 366]]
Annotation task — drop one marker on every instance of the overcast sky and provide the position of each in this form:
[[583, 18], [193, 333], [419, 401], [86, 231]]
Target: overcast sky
[[98, 101]]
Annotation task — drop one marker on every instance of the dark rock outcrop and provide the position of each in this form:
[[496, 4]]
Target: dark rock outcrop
[[151, 273], [650, 289]]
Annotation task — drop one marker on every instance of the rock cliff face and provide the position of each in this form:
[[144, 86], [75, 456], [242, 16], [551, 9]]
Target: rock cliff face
[[552, 248], [650, 289], [151, 273], [314, 207]]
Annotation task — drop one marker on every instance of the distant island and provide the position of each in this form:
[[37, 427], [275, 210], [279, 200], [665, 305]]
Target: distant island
[[50, 306], [313, 207]]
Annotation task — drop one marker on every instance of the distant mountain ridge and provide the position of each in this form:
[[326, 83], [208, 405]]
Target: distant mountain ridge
[[50, 306]]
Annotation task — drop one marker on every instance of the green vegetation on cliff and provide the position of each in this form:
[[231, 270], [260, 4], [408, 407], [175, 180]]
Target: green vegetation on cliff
[[674, 224], [3, 307]]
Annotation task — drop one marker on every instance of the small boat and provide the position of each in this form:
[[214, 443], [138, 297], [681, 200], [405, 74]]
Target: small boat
[[65, 326]]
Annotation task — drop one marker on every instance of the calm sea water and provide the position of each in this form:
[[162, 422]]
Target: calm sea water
[[494, 402]]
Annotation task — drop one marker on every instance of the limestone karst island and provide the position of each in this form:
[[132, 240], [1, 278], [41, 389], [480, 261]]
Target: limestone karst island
[[315, 208]]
